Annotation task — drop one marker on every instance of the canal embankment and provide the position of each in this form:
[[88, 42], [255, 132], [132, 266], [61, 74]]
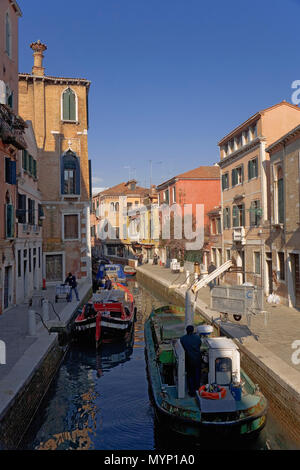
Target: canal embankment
[[278, 381], [31, 366]]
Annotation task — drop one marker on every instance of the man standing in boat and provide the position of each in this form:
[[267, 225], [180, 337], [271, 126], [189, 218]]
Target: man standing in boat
[[191, 344]]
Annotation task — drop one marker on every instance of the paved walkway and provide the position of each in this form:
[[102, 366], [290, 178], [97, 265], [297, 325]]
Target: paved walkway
[[14, 324], [277, 334]]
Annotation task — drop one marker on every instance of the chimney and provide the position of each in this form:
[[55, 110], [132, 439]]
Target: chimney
[[38, 49]]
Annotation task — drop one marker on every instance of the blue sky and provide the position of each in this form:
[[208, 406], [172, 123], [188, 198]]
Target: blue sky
[[169, 77]]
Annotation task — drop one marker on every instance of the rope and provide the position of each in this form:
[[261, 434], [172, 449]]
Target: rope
[[42, 320]]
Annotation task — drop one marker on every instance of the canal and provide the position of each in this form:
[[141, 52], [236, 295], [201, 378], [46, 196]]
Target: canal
[[101, 401]]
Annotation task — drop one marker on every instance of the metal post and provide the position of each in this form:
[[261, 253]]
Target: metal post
[[45, 310], [31, 323], [189, 312]]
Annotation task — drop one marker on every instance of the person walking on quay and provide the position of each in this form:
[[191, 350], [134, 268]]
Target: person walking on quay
[[71, 281], [191, 344], [211, 269]]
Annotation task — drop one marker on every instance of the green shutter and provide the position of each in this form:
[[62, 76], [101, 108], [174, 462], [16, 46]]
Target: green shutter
[[235, 222], [66, 107], [252, 214], [250, 166], [10, 225], [280, 202], [243, 215], [224, 219], [72, 107]]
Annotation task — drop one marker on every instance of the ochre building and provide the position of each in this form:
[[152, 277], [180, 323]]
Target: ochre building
[[58, 110]]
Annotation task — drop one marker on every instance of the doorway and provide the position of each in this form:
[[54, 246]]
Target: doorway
[[7, 286]]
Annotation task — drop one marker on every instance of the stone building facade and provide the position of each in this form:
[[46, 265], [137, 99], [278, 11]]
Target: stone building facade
[[284, 240], [246, 209], [11, 141], [58, 110]]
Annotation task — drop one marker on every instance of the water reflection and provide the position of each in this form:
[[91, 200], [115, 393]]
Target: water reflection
[[100, 400]]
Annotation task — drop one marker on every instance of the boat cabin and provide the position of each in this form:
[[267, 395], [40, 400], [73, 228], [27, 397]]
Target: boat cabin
[[223, 363]]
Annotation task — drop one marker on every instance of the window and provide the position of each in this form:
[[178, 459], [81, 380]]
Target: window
[[281, 266], [117, 206], [70, 174], [228, 255], [21, 212], [225, 181], [255, 214], [10, 171], [8, 36], [31, 211], [174, 194], [166, 196], [9, 221], [223, 368], [54, 268], [237, 176], [39, 257], [257, 264], [71, 229], [253, 168], [69, 105], [238, 216], [25, 157], [226, 218]]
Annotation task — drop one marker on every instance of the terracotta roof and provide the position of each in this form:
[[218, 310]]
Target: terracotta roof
[[254, 118], [123, 190], [202, 172]]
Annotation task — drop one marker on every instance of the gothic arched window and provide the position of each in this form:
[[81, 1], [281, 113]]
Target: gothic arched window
[[69, 105], [70, 173]]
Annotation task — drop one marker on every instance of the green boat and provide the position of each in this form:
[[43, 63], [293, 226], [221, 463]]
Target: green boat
[[243, 409]]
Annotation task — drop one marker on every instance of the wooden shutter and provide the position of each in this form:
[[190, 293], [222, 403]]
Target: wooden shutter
[[10, 225], [66, 106], [280, 201], [252, 214], [243, 215], [34, 168], [250, 175], [224, 219], [235, 216], [72, 104], [71, 227]]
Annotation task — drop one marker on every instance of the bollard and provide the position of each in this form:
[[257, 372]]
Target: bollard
[[44, 284], [45, 310], [31, 323]]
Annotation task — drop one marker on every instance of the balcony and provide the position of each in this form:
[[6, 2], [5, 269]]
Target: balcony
[[12, 128], [238, 235]]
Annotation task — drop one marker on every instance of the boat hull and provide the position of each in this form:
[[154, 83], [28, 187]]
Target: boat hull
[[179, 420]]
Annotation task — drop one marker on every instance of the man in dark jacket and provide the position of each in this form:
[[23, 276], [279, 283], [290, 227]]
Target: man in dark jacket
[[71, 281], [191, 344]]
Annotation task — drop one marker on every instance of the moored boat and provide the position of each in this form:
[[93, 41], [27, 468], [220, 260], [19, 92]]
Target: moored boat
[[108, 314], [129, 271], [227, 400]]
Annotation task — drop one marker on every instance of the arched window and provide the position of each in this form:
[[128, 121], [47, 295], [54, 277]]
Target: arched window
[[69, 111], [117, 207], [112, 207], [8, 36], [70, 173]]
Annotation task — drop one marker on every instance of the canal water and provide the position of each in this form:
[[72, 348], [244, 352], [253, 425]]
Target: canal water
[[101, 401]]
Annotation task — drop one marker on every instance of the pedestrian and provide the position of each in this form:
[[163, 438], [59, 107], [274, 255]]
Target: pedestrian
[[211, 269], [141, 259], [191, 344], [71, 281], [108, 283]]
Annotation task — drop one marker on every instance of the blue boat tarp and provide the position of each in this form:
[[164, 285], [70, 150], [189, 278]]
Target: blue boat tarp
[[109, 269]]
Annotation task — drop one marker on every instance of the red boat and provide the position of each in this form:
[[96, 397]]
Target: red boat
[[108, 314]]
